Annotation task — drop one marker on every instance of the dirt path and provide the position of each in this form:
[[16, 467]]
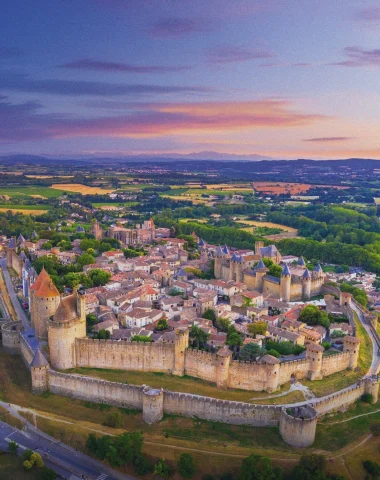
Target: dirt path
[[352, 418]]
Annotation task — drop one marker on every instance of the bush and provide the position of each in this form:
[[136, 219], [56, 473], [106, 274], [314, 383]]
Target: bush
[[13, 448], [162, 469], [27, 465], [27, 454], [114, 420], [372, 468], [274, 353], [326, 345], [367, 398], [142, 466], [47, 474], [186, 465]]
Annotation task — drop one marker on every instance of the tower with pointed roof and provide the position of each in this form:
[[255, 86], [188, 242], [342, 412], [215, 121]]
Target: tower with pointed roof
[[285, 283], [260, 271], [306, 285], [39, 372], [96, 230], [44, 300], [66, 325], [10, 251]]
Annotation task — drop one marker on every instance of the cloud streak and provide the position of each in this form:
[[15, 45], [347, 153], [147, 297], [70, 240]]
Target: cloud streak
[[368, 15], [24, 122], [235, 54], [177, 27], [118, 67], [328, 139], [23, 83], [360, 57]]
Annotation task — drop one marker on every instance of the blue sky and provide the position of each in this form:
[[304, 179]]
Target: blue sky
[[284, 78]]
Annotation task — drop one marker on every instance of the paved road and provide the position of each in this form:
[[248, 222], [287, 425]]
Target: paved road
[[374, 368], [16, 304]]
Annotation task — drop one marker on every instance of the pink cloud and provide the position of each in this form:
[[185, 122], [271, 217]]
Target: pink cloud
[[155, 119], [360, 57], [328, 139], [176, 27], [371, 14]]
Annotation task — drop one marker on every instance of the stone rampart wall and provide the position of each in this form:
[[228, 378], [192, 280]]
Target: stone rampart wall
[[340, 399], [95, 390], [297, 368], [335, 363], [26, 351], [157, 357], [200, 364]]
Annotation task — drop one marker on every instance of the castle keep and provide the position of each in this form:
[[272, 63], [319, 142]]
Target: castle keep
[[295, 284]]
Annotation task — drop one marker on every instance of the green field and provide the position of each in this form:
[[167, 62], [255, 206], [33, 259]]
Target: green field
[[11, 467], [25, 207], [20, 192], [113, 204]]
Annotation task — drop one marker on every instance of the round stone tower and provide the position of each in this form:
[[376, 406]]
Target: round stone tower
[[67, 324], [44, 301], [10, 333], [218, 262], [181, 342], [298, 426], [306, 285], [153, 405], [222, 369], [372, 387], [314, 354], [272, 368], [260, 270], [39, 371], [351, 344], [285, 282]]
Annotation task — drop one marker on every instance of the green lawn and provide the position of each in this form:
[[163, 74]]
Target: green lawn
[[11, 467], [20, 192], [113, 204], [25, 207]]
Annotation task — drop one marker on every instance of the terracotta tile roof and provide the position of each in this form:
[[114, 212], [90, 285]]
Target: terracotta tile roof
[[44, 286]]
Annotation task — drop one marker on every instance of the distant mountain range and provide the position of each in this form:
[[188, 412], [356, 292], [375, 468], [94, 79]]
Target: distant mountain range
[[210, 155]]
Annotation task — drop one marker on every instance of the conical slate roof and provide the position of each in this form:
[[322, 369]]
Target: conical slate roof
[[306, 274], [239, 259], [318, 268], [301, 262], [39, 360], [80, 229], [34, 234], [219, 252], [201, 243], [285, 271], [20, 239], [12, 243], [182, 273], [261, 264], [225, 250]]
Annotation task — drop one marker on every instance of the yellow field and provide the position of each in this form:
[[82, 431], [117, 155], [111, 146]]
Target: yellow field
[[258, 223], [39, 196], [190, 198], [25, 212], [79, 188], [377, 200]]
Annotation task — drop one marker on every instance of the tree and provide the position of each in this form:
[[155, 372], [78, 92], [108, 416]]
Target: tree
[[257, 328], [114, 420], [27, 454], [372, 468], [105, 247], [85, 259], [141, 338], [198, 336], [257, 467], [186, 465], [311, 467], [91, 320], [99, 277], [47, 474], [27, 465], [311, 315], [162, 324], [13, 448], [209, 314], [36, 460], [103, 335], [250, 351], [162, 469]]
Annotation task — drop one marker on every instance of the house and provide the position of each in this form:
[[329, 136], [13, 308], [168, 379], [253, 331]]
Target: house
[[279, 335], [139, 317]]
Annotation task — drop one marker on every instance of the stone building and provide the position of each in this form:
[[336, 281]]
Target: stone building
[[295, 284], [142, 234]]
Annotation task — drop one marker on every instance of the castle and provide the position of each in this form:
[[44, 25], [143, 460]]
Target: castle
[[142, 234], [295, 284]]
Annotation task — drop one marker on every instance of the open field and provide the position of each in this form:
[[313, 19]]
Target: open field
[[11, 467], [23, 211], [278, 188], [79, 188], [31, 191], [259, 223]]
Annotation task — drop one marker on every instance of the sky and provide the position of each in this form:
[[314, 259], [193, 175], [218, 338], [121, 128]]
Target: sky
[[280, 78]]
